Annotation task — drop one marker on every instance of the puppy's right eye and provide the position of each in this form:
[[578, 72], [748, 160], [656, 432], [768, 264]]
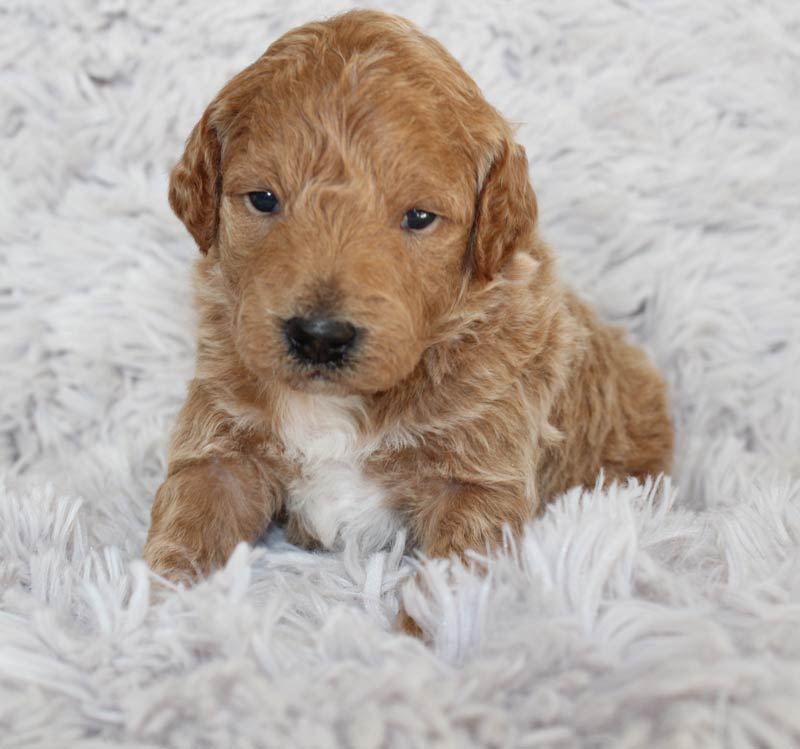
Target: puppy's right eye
[[417, 219], [264, 201]]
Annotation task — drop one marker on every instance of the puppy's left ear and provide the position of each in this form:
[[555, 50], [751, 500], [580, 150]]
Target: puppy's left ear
[[505, 213], [195, 184]]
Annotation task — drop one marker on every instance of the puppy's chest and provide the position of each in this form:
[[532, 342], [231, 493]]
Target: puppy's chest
[[332, 496]]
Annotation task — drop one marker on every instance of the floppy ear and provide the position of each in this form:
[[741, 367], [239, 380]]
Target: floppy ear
[[505, 213], [196, 182]]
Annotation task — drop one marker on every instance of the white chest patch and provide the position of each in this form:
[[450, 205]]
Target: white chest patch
[[337, 503]]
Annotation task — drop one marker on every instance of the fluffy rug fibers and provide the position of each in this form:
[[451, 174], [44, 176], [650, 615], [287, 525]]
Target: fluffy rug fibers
[[664, 141]]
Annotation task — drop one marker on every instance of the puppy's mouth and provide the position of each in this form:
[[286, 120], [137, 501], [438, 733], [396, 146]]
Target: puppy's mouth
[[327, 380]]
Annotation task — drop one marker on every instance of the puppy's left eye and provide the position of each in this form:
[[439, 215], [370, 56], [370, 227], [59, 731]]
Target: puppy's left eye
[[417, 219], [264, 201]]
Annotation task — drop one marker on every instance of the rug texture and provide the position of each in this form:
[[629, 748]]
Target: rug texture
[[664, 142]]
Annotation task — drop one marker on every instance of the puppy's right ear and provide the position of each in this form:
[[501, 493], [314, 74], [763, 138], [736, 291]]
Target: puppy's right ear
[[195, 184]]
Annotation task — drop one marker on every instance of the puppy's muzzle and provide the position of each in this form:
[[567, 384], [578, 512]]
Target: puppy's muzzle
[[320, 340]]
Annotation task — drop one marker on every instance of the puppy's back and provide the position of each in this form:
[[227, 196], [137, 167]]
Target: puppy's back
[[614, 415]]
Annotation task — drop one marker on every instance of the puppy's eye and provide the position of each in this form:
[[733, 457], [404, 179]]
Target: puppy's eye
[[417, 219], [264, 202]]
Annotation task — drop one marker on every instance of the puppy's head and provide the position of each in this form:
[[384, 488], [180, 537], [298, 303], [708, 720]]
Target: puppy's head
[[351, 186]]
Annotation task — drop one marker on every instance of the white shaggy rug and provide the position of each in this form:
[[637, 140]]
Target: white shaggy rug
[[664, 140]]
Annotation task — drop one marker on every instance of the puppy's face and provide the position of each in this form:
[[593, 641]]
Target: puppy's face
[[343, 174], [344, 240]]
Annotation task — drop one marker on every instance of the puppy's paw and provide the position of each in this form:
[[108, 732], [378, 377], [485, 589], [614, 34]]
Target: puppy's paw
[[406, 624], [172, 563]]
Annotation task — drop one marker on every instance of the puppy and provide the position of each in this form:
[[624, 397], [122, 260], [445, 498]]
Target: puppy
[[383, 341]]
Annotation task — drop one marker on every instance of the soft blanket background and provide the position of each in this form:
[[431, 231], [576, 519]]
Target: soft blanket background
[[664, 140]]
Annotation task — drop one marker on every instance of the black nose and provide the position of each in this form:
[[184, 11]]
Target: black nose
[[318, 340]]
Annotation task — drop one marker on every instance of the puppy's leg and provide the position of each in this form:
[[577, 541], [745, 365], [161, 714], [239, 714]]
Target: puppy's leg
[[454, 518], [204, 509]]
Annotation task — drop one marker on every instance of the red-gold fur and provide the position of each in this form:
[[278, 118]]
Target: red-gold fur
[[483, 387]]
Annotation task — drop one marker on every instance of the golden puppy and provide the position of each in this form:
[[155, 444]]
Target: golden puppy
[[383, 341]]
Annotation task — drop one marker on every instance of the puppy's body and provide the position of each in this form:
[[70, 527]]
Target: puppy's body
[[477, 387]]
